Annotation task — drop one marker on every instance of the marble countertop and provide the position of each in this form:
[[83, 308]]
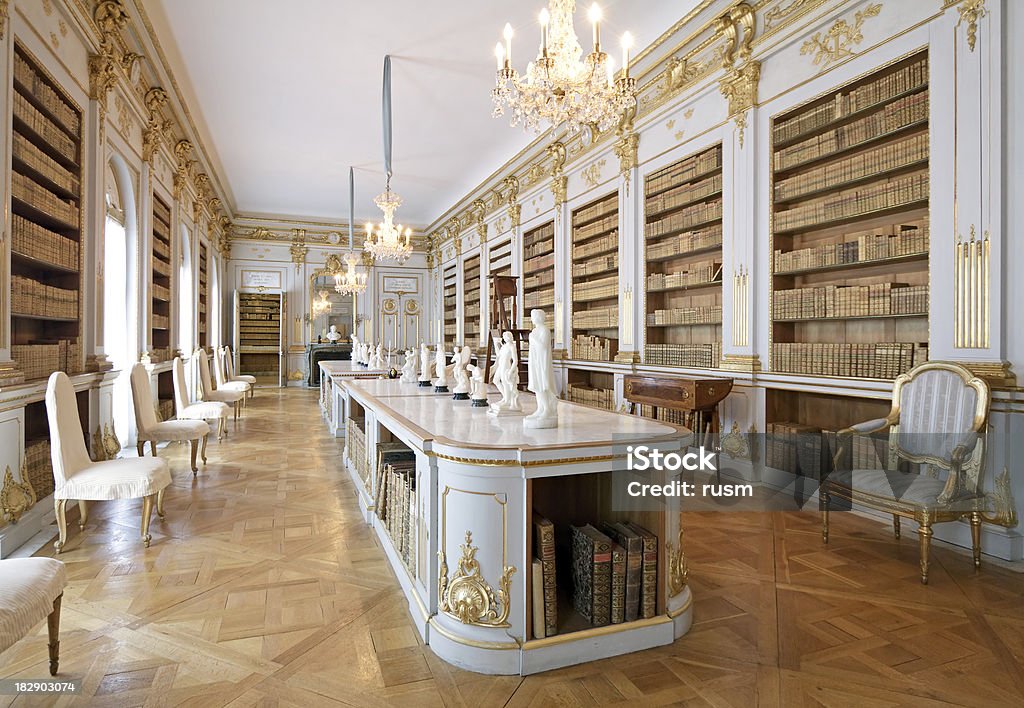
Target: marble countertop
[[453, 423], [343, 367]]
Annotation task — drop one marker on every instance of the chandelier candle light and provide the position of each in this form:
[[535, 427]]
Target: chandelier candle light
[[560, 85]]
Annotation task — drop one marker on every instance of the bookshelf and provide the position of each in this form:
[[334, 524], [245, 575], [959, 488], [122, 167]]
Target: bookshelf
[[204, 273], [163, 270], [591, 388], [165, 394], [850, 236], [259, 336], [471, 301], [683, 276], [451, 301], [46, 230], [499, 258], [539, 271], [595, 280]]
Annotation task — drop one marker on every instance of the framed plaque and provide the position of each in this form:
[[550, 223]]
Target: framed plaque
[[401, 284], [261, 279]]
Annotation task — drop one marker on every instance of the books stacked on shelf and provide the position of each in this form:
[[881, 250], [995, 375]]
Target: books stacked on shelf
[[597, 318], [161, 322], [27, 191], [701, 273], [882, 360], [599, 289], [591, 396], [471, 301], [39, 126], [161, 280], [848, 203], [259, 321], [539, 263], [669, 415], [614, 573], [31, 82], [546, 578], [847, 301], [684, 219], [165, 408], [161, 293], [894, 241], [45, 167], [685, 172], [706, 356], [596, 266], [451, 301], [543, 299], [499, 257], [698, 315], [355, 441], [31, 298], [38, 361], [608, 242], [808, 450], [685, 244], [593, 348], [34, 241], [682, 195], [39, 467], [395, 503]]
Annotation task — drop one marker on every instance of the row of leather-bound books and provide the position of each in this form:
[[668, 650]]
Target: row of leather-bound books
[[614, 574], [395, 502], [589, 395]]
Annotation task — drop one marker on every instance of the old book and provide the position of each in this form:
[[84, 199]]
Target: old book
[[649, 569], [618, 589], [634, 545], [544, 548], [537, 592], [591, 573]]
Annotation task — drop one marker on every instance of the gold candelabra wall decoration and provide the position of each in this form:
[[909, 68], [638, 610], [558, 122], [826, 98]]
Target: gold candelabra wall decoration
[[740, 308], [971, 291]]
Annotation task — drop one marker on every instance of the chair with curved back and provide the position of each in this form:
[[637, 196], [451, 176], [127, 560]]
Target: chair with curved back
[[937, 422], [229, 372], [30, 591], [153, 430], [222, 380], [199, 410], [208, 392], [76, 477]]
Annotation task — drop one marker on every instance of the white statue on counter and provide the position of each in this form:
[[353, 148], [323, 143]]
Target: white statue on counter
[[477, 387], [506, 377], [424, 365], [354, 356], [541, 378], [459, 362], [377, 360], [409, 368], [441, 369], [333, 335], [367, 354]]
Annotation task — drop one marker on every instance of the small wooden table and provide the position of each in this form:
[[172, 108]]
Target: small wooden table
[[697, 398]]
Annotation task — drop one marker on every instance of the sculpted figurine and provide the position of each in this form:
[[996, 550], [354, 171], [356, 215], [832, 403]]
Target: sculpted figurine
[[333, 335], [459, 362], [409, 368], [378, 357], [478, 387], [441, 369], [355, 351], [541, 379], [424, 365], [506, 377]]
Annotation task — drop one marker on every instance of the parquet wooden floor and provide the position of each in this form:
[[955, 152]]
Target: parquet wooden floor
[[264, 588]]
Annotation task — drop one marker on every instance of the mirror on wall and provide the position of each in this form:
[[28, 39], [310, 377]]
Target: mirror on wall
[[327, 306]]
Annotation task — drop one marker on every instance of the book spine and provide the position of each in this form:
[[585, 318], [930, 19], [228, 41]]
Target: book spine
[[618, 591]]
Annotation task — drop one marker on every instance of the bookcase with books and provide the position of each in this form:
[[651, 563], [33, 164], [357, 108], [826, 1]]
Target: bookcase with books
[[165, 394], [203, 294], [595, 280], [592, 566], [539, 271], [850, 228], [259, 336], [161, 282], [499, 258], [471, 301], [683, 277], [395, 490], [451, 300], [591, 388], [46, 229]]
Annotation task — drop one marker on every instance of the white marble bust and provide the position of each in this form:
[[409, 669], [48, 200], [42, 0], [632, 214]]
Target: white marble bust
[[333, 335], [541, 378]]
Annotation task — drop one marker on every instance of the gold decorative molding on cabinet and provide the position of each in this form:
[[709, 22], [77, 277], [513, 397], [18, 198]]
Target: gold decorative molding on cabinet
[[746, 363], [467, 597], [970, 12], [997, 373], [1004, 507], [739, 85], [741, 308], [16, 497], [626, 149], [838, 42], [735, 444], [971, 292], [678, 569]]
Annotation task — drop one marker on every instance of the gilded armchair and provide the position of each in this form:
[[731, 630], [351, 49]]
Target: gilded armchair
[[937, 423]]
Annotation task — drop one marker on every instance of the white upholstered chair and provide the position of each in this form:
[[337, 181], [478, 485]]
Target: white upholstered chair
[[200, 410], [209, 393], [152, 430], [937, 422], [229, 371], [223, 382], [76, 477], [30, 591]]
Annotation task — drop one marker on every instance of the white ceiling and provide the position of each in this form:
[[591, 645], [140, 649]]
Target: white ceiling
[[287, 95]]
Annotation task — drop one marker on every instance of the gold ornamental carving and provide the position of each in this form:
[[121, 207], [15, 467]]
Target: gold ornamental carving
[[298, 249], [970, 12], [105, 445], [626, 150], [110, 17], [467, 597], [1003, 507], [781, 13], [3, 17], [740, 87], [971, 271], [678, 569], [592, 173], [156, 125], [478, 209], [742, 74], [839, 41], [16, 497], [182, 154], [737, 26], [735, 444]]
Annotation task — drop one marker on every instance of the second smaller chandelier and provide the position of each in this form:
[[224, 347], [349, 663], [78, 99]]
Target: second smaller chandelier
[[388, 241], [351, 282]]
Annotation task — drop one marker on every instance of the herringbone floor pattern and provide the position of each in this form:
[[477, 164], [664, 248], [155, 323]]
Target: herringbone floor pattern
[[264, 588]]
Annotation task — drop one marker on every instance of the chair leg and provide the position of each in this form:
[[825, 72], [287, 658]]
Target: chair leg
[[59, 506], [203, 451], [141, 447], [147, 511], [896, 525], [195, 449], [53, 629], [924, 536], [152, 446], [976, 538], [83, 514], [236, 411], [160, 503], [825, 499]]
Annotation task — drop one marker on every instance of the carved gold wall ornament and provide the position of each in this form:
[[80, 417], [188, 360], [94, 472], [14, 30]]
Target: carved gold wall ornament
[[971, 267], [298, 252], [740, 307], [467, 597], [838, 42], [16, 497], [780, 12], [559, 183], [970, 12], [1000, 500], [592, 173], [735, 444], [182, 154], [156, 126], [478, 210], [626, 150], [737, 26], [111, 445], [678, 569]]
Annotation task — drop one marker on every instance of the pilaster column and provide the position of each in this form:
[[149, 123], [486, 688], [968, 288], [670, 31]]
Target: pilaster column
[[9, 374]]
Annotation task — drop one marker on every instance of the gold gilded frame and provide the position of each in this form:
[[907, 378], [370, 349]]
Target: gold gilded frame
[[332, 267]]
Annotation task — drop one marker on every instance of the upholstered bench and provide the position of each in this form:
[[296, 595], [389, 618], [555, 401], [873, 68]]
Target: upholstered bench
[[30, 590]]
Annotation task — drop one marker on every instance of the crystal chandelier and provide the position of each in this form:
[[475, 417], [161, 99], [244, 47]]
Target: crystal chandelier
[[321, 306], [351, 282], [387, 241], [560, 85]]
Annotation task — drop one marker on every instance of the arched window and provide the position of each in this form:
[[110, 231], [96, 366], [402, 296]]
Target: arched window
[[185, 287]]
